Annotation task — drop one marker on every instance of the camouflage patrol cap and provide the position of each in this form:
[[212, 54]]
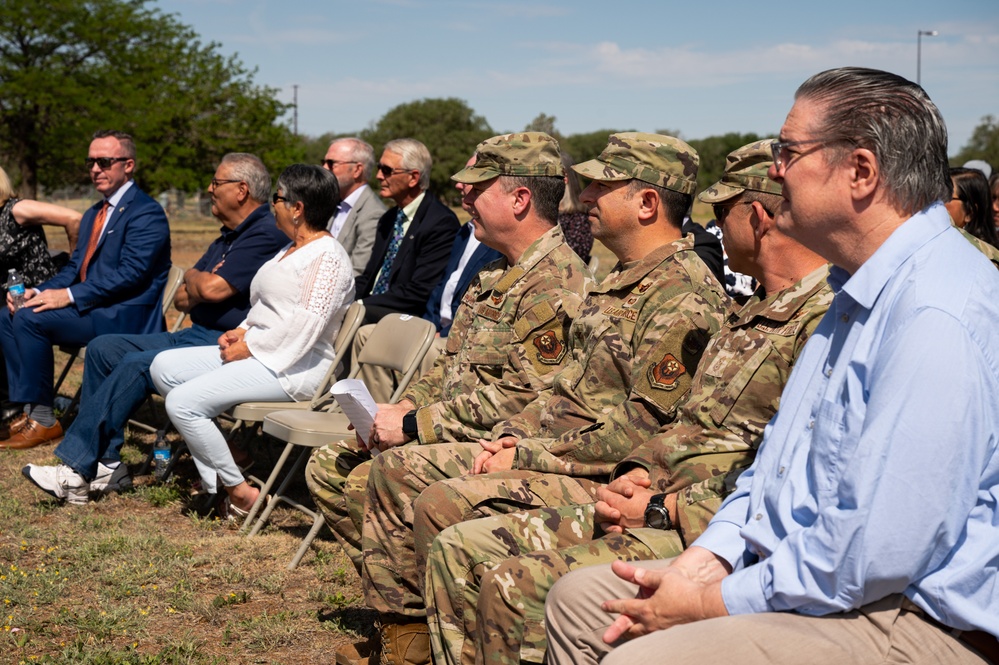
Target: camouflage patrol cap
[[745, 168], [659, 160], [529, 154]]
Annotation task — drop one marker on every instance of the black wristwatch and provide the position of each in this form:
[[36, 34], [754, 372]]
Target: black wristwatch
[[656, 515], [409, 427]]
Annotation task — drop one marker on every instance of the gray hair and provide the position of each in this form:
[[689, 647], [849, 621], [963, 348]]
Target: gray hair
[[895, 119], [415, 157], [249, 169], [360, 152]]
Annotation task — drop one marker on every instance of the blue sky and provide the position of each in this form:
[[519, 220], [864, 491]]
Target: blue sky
[[700, 68]]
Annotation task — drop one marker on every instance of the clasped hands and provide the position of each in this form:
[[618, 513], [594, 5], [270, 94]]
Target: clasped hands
[[232, 347]]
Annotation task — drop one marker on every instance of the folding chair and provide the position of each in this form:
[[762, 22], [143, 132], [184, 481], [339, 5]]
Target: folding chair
[[398, 342], [174, 279]]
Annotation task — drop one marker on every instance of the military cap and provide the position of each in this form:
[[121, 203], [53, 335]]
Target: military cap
[[659, 160], [529, 154], [745, 168]]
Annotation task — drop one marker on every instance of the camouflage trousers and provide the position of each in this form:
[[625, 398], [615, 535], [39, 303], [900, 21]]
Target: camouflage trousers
[[336, 478], [487, 580], [415, 492]]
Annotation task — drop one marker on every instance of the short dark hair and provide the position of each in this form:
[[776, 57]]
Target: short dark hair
[[317, 190], [676, 204], [126, 141], [546, 193], [895, 119], [973, 191]]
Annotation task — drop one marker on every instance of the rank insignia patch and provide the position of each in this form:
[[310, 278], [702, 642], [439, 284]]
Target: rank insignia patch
[[551, 350], [666, 374]]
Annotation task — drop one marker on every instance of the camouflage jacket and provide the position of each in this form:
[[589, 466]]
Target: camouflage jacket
[[495, 361], [990, 252], [735, 394], [633, 348]]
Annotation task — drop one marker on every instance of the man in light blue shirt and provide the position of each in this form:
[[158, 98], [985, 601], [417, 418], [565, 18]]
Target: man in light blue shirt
[[867, 530]]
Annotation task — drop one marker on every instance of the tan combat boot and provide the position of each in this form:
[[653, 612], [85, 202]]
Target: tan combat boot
[[405, 644], [360, 653]]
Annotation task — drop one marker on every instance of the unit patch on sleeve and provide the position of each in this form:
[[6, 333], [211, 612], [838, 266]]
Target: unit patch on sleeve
[[666, 374], [551, 350]]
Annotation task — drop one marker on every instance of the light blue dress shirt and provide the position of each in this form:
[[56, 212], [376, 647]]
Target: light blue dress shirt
[[879, 474]]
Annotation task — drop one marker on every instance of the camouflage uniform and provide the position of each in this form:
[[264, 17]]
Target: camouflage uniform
[[634, 348], [491, 367], [516, 559]]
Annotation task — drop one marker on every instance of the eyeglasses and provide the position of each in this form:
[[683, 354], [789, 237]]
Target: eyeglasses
[[104, 162], [216, 183], [330, 163], [781, 154], [386, 170], [277, 199], [722, 211]]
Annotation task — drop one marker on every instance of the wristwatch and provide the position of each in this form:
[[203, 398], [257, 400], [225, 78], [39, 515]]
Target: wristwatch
[[409, 427], [656, 515]]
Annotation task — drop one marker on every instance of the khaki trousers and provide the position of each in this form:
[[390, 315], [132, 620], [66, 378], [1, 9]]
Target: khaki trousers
[[889, 631]]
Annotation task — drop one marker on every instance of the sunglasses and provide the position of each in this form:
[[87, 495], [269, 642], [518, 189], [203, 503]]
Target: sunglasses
[[330, 163], [386, 170], [277, 199], [104, 162]]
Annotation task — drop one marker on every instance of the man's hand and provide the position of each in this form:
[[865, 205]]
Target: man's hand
[[28, 293], [621, 504], [42, 301], [496, 455], [182, 299], [386, 431], [687, 591]]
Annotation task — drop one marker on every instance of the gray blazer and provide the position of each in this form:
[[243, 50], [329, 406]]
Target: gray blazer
[[358, 233]]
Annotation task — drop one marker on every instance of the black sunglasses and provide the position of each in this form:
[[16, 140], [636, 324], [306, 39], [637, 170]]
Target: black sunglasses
[[277, 199], [386, 170], [104, 162], [330, 163]]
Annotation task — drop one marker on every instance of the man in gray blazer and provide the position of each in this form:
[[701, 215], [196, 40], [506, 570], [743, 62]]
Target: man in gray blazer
[[352, 160]]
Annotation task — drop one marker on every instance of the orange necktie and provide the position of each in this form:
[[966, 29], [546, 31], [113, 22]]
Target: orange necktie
[[95, 235]]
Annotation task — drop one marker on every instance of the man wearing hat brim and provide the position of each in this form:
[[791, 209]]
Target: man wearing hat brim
[[491, 367], [683, 471], [633, 350]]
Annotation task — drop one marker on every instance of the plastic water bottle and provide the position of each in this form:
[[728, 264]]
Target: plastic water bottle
[[161, 455], [15, 287]]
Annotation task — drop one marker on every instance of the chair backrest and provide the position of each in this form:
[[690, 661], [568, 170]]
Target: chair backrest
[[352, 319], [174, 279], [398, 342]]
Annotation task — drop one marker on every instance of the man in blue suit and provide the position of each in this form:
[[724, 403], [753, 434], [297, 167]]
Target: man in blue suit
[[113, 283]]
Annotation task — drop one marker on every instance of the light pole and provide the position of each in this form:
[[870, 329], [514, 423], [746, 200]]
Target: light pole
[[919, 51]]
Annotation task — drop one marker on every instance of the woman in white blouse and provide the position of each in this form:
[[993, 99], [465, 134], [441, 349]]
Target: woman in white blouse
[[283, 348]]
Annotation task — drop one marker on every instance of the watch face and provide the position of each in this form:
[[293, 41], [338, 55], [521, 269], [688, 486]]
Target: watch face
[[655, 517]]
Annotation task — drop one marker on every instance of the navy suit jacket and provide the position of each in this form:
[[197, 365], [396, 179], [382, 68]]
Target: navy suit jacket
[[480, 257], [123, 292], [418, 265]]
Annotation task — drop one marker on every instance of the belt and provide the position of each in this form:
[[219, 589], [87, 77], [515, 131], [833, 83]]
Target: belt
[[984, 643]]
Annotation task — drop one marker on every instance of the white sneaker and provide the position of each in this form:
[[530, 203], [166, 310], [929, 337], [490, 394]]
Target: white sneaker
[[111, 480], [60, 481]]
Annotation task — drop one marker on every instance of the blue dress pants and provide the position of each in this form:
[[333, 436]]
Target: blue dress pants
[[115, 383]]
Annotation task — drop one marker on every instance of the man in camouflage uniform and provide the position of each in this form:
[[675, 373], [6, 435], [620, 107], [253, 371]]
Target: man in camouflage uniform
[[634, 347], [490, 368], [487, 579]]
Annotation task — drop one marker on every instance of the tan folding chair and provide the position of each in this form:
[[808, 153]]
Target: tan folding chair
[[398, 342], [175, 278]]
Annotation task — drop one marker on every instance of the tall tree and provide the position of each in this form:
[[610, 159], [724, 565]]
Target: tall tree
[[713, 150], [448, 127], [983, 144], [69, 67]]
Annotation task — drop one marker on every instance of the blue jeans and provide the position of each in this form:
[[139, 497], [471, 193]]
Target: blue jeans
[[115, 383]]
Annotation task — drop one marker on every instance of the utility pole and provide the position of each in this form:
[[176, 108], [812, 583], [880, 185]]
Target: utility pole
[[295, 102], [919, 52]]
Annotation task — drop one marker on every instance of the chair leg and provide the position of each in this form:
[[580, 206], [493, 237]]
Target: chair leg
[[265, 489], [317, 523], [279, 494]]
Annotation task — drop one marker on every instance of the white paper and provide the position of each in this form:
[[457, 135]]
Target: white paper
[[357, 404]]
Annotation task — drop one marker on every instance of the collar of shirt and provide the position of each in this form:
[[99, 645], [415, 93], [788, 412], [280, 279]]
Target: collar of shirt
[[117, 196], [351, 200], [410, 209]]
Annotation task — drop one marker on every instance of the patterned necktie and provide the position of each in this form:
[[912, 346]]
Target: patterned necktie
[[381, 286], [95, 235]]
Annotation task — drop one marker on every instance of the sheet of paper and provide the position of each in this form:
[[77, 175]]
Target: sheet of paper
[[357, 404]]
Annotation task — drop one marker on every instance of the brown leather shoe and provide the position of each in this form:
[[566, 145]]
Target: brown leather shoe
[[32, 434], [405, 643], [360, 653], [15, 425]]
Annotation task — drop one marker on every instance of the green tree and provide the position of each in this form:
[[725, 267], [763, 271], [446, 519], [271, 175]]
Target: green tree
[[983, 144], [448, 127], [544, 123], [69, 67], [582, 147]]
